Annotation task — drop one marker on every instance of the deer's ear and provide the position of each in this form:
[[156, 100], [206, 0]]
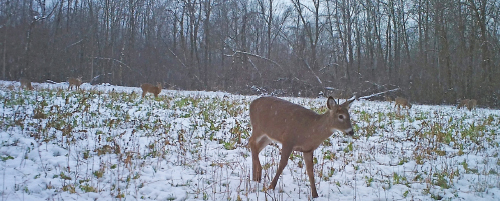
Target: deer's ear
[[331, 103], [347, 104]]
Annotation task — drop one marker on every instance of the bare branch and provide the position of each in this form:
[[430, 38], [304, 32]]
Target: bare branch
[[255, 67], [310, 69], [378, 94], [113, 59], [255, 55]]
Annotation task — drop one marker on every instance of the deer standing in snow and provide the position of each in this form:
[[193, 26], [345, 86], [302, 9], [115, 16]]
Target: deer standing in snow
[[402, 102], [388, 99], [296, 128], [463, 103], [74, 82], [149, 88], [25, 82], [471, 104]]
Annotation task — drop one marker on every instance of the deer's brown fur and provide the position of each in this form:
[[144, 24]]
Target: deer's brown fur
[[149, 88], [472, 104], [388, 99], [296, 128], [25, 82], [76, 82], [402, 102], [463, 103]]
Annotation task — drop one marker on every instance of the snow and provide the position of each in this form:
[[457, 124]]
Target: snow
[[108, 143]]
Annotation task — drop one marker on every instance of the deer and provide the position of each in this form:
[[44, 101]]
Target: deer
[[463, 103], [146, 87], [296, 128], [25, 82], [402, 102], [471, 104], [74, 82], [388, 99]]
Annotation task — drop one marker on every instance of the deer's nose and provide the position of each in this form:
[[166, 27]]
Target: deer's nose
[[349, 131]]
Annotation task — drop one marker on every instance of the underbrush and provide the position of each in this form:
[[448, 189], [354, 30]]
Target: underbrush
[[102, 143]]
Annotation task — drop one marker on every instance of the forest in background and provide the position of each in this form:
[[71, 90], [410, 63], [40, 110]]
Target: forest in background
[[431, 51]]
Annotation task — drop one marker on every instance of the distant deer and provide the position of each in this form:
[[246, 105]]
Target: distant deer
[[74, 82], [463, 103], [471, 104], [146, 87], [388, 99], [296, 128], [402, 102], [25, 82]]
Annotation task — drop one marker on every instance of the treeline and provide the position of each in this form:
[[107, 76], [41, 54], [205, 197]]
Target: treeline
[[433, 51]]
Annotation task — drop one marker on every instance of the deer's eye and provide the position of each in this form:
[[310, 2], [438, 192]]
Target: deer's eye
[[341, 116]]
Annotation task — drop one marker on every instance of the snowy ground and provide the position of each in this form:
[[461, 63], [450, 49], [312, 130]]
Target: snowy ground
[[106, 143]]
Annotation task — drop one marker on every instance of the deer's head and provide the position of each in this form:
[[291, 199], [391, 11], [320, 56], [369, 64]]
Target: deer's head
[[339, 116]]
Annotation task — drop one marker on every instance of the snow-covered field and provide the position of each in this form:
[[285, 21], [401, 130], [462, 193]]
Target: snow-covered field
[[107, 143]]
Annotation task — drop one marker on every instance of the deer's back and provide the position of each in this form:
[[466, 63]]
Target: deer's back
[[274, 116], [401, 101], [74, 81], [471, 104], [25, 81], [146, 86]]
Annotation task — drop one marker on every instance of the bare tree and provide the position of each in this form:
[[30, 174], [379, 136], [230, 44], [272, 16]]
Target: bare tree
[[434, 51]]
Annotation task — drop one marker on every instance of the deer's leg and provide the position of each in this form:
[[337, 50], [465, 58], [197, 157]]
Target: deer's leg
[[256, 167], [143, 93], [256, 145], [285, 154], [308, 158], [261, 144]]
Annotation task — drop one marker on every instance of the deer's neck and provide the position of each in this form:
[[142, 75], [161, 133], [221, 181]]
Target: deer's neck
[[323, 128]]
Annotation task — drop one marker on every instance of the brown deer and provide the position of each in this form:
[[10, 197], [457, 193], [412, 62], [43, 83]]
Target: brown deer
[[463, 103], [146, 87], [471, 104], [388, 99], [74, 82], [25, 82], [402, 102], [296, 128]]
